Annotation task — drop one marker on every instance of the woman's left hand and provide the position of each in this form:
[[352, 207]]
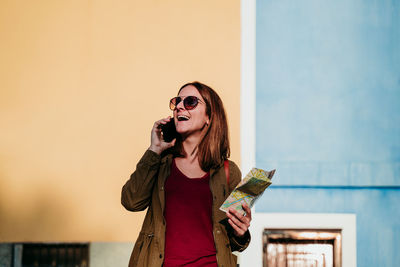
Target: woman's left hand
[[239, 222]]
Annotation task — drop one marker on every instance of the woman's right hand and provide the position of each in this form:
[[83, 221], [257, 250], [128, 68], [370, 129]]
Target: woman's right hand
[[158, 145]]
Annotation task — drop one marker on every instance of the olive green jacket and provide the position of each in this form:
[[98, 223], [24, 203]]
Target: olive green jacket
[[145, 188]]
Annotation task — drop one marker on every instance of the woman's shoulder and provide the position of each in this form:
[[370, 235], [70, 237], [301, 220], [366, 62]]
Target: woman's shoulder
[[235, 175], [234, 169]]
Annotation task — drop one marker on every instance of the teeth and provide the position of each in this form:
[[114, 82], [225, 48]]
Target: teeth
[[183, 118]]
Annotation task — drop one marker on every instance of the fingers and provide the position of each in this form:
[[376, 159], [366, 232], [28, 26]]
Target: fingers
[[156, 131], [247, 210], [172, 143], [239, 228], [158, 123], [238, 217], [157, 143], [239, 222], [238, 231]]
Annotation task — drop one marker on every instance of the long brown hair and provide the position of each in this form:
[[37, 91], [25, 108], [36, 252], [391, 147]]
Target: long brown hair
[[213, 149]]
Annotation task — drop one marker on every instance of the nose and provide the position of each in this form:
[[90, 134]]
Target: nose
[[180, 106]]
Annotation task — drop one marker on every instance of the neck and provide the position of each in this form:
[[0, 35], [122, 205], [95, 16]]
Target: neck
[[190, 143], [190, 146]]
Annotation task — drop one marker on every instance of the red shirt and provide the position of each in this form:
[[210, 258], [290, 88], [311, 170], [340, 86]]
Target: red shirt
[[189, 239]]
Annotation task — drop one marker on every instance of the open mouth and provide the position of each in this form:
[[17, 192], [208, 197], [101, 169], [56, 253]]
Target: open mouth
[[183, 118]]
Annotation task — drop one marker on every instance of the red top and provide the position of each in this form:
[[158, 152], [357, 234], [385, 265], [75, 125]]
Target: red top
[[189, 239]]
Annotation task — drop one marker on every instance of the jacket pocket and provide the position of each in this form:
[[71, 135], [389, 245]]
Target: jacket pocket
[[146, 249], [224, 253], [133, 261]]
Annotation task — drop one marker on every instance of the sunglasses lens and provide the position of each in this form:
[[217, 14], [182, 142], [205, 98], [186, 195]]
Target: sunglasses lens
[[174, 102], [190, 102]]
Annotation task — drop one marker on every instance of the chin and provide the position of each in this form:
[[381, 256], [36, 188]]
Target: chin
[[181, 132]]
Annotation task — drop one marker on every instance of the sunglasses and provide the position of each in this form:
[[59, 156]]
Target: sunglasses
[[189, 102]]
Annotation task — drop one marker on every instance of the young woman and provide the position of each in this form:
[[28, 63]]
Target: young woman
[[183, 183]]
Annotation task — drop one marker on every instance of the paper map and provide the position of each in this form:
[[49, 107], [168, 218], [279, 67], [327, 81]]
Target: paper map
[[248, 190]]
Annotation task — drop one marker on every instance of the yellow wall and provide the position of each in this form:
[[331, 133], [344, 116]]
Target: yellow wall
[[81, 83]]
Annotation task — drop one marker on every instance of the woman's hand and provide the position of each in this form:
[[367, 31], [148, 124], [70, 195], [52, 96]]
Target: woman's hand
[[158, 145], [240, 223]]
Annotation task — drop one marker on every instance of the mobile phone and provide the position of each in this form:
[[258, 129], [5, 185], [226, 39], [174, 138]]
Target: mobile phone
[[169, 131]]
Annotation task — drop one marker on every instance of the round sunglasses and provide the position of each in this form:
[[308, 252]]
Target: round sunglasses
[[189, 102]]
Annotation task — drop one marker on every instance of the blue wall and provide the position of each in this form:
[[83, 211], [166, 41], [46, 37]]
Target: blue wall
[[328, 114], [377, 211]]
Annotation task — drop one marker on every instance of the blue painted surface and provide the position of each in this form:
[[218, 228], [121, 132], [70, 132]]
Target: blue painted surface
[[377, 212], [328, 114], [328, 90]]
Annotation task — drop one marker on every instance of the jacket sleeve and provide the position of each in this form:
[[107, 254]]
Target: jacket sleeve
[[136, 193], [237, 243]]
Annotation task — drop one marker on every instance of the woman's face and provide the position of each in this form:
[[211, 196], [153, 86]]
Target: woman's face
[[190, 122]]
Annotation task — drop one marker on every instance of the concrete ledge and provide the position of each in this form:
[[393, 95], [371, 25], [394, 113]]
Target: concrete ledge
[[105, 254]]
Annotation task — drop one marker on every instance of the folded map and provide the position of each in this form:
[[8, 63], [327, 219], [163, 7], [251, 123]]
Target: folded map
[[248, 190]]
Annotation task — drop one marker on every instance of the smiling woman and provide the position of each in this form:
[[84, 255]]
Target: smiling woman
[[183, 183], [214, 144], [191, 120]]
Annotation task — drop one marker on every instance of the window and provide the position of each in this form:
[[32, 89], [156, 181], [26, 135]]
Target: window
[[50, 254], [295, 248]]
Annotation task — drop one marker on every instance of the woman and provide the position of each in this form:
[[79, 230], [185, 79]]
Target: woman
[[183, 183]]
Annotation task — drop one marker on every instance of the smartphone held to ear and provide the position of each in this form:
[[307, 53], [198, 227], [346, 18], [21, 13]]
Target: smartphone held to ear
[[169, 131]]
